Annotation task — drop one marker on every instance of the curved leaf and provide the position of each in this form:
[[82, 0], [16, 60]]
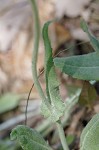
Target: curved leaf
[[85, 67], [52, 85], [90, 135], [93, 40], [29, 139]]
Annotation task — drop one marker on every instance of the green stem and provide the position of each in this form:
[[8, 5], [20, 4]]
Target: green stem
[[34, 69], [62, 135], [35, 50]]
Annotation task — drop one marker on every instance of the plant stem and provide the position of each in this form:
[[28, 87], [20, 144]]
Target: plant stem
[[34, 69], [35, 50], [62, 135]]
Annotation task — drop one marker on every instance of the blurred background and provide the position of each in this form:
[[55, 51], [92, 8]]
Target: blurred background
[[16, 44]]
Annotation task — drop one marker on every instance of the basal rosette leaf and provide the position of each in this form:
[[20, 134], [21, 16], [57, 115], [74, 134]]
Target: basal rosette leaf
[[28, 138]]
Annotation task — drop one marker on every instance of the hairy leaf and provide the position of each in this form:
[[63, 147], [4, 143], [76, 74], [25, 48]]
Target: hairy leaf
[[29, 139], [90, 135], [93, 40], [88, 95], [85, 67], [52, 85]]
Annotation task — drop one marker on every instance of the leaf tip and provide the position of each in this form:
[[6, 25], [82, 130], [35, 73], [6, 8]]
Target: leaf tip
[[84, 25], [13, 134]]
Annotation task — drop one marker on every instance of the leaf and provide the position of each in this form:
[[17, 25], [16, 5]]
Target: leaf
[[88, 95], [70, 139], [90, 136], [52, 85], [8, 102], [93, 40], [85, 67], [84, 26], [29, 139]]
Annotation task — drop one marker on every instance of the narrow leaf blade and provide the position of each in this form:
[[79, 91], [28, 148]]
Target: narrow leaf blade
[[93, 40], [84, 26], [52, 85]]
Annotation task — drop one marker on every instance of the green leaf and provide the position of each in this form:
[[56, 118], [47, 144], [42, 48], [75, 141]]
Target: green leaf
[[84, 26], [85, 67], [29, 139], [93, 40], [70, 139], [90, 136], [8, 101], [52, 85], [88, 95]]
